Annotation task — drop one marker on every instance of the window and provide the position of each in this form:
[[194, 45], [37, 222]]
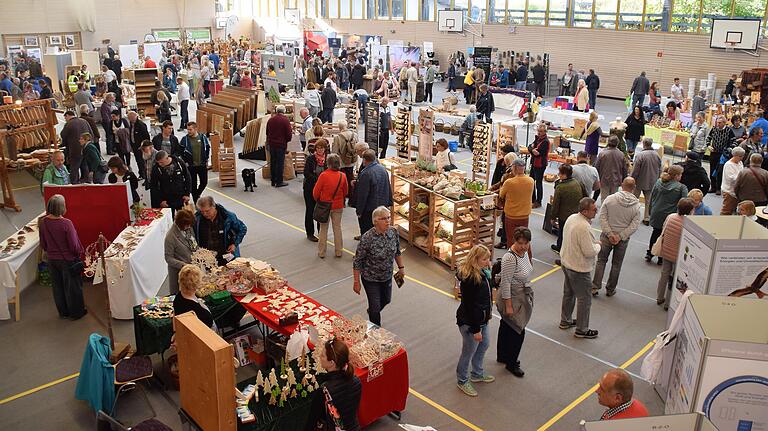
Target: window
[[333, 8], [370, 9], [478, 11], [497, 11], [344, 9], [685, 15], [655, 16], [357, 9], [582, 13], [714, 9], [537, 12], [631, 14], [383, 9], [516, 11], [558, 10], [427, 10], [605, 14], [263, 9], [397, 9], [412, 10]]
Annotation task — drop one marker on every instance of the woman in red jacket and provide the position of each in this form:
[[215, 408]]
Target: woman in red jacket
[[331, 187]]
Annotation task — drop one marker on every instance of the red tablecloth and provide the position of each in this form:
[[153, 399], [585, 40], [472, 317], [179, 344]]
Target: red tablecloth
[[380, 396]]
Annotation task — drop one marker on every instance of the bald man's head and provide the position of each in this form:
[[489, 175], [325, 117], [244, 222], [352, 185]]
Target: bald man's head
[[615, 388], [628, 185]]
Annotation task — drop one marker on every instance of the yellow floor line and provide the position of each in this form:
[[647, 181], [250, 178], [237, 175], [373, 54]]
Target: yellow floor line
[[546, 274], [453, 415], [39, 388], [590, 391], [34, 186]]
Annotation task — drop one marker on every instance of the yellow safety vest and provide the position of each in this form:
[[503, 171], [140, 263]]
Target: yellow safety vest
[[72, 83]]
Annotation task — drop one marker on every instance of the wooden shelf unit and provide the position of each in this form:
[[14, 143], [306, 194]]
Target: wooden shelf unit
[[469, 225], [507, 135], [144, 81], [481, 153], [402, 122]]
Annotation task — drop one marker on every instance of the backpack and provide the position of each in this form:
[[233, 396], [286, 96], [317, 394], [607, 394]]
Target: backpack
[[347, 148]]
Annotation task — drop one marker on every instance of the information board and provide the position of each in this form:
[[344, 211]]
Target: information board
[[482, 59], [372, 125]]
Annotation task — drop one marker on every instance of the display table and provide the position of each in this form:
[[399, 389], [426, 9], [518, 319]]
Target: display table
[[563, 118], [382, 395], [143, 270], [509, 101], [18, 268], [670, 138]]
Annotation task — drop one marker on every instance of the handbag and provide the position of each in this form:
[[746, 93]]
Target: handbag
[[451, 165], [657, 246], [322, 211]]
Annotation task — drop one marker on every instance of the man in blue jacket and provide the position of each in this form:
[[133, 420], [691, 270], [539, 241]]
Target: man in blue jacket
[[218, 229], [372, 189], [762, 123], [196, 151], [522, 77]]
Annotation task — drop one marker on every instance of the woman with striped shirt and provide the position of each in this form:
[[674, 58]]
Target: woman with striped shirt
[[514, 300]]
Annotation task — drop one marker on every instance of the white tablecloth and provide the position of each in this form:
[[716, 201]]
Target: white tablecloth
[[144, 271], [508, 101], [563, 117], [22, 262]]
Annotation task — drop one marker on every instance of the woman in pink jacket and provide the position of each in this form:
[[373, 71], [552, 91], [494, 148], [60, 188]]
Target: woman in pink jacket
[[670, 244]]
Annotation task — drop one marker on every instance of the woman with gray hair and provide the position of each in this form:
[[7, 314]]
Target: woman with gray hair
[[331, 187], [373, 263], [59, 240]]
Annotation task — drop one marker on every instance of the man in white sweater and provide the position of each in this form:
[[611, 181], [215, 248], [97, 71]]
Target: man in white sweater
[[619, 218], [578, 253]]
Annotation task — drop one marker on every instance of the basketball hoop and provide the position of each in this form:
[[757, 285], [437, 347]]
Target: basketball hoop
[[729, 47]]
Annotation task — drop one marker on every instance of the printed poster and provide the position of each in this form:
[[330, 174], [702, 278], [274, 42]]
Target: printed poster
[[685, 366], [733, 393], [692, 268], [741, 274]]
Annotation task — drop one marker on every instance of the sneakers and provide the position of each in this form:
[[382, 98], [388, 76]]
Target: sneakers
[[468, 389], [589, 333], [595, 291], [567, 325], [485, 379], [610, 292]]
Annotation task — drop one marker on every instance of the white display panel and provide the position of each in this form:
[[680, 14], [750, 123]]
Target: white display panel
[[450, 21], [744, 32], [129, 55]]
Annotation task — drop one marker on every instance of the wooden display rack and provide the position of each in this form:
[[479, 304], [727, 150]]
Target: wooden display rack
[[469, 225], [507, 136], [402, 122], [23, 126], [481, 153], [144, 80], [352, 115], [227, 161]]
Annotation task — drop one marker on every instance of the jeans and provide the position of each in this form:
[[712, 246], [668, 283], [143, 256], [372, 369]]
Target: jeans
[[309, 209], [654, 236], [338, 241], [67, 289], [468, 93], [508, 344], [520, 85], [647, 196], [576, 291], [538, 175], [365, 221], [592, 98], [428, 92], [451, 85], [472, 352], [637, 99], [276, 165], [201, 173], [602, 258], [663, 289], [631, 145], [184, 113], [109, 137], [379, 294], [361, 101], [383, 143]]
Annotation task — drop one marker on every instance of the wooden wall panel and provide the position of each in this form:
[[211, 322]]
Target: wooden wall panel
[[617, 56]]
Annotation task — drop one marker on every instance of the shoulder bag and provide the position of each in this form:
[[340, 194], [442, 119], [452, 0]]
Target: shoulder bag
[[322, 210], [658, 245]]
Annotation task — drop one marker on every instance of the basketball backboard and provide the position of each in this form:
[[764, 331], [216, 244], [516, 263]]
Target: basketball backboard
[[735, 33], [450, 21]]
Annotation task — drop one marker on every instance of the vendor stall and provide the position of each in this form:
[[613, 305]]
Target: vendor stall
[[19, 256], [675, 140], [563, 118], [136, 267], [507, 98]]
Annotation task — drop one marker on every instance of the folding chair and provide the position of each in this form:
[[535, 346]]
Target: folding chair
[[129, 371], [106, 422]]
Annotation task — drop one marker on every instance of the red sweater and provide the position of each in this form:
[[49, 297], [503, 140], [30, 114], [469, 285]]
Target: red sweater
[[326, 185], [635, 410], [279, 132]]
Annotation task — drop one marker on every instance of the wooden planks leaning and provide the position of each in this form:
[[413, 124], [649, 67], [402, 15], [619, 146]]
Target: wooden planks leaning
[[232, 104]]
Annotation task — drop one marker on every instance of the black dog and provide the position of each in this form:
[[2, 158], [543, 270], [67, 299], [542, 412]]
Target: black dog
[[249, 179]]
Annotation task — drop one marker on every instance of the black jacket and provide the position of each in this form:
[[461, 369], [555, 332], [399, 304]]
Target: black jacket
[[176, 149], [130, 178], [592, 81], [538, 73], [498, 171], [183, 305], [311, 173], [328, 97], [174, 186], [694, 176], [356, 77], [345, 393], [485, 103], [139, 132], [475, 308], [635, 127]]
